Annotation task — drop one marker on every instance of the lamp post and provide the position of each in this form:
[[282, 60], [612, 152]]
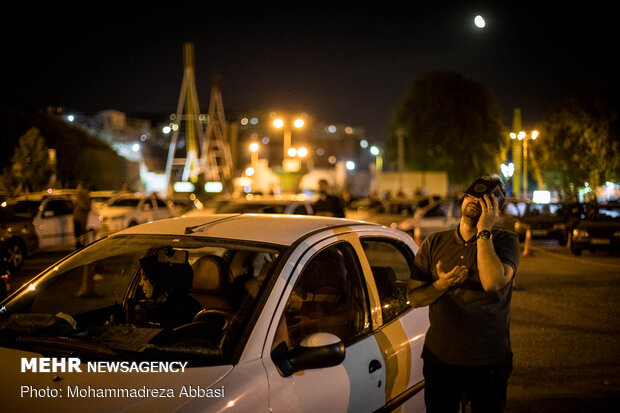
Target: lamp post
[[288, 132], [254, 151], [524, 138]]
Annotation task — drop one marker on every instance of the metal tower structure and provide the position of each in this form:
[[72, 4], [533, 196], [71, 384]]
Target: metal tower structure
[[206, 153], [218, 164], [187, 119]]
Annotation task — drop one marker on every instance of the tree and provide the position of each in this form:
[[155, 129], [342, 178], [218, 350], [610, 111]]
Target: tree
[[31, 168], [450, 123], [578, 144]]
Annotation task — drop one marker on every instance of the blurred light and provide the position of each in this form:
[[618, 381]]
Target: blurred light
[[479, 22], [350, 165], [135, 147], [513, 135], [249, 171], [254, 121], [254, 147], [70, 118], [348, 130], [292, 152], [298, 123], [3, 204], [175, 127], [534, 134], [247, 189], [374, 150], [302, 152], [278, 123], [521, 135], [214, 187], [331, 129], [166, 129], [320, 151], [183, 187], [143, 138], [244, 121], [364, 143], [332, 159], [508, 170], [265, 140], [541, 197]]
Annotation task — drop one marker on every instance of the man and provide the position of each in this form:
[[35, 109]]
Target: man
[[465, 276], [328, 205], [81, 209]]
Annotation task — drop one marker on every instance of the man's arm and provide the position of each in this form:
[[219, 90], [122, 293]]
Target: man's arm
[[493, 274]]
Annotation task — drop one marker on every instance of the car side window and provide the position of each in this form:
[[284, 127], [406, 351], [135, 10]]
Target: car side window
[[389, 261], [57, 208], [160, 203], [329, 297]]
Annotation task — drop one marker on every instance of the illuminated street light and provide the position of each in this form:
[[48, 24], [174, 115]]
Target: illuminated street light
[[302, 152], [479, 22], [523, 137], [292, 152]]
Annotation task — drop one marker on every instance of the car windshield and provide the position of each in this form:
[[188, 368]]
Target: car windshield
[[142, 297], [124, 202], [545, 210], [251, 208], [606, 213], [26, 208]]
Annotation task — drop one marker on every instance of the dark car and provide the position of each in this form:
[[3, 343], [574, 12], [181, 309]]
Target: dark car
[[552, 220], [17, 234], [5, 277], [599, 231]]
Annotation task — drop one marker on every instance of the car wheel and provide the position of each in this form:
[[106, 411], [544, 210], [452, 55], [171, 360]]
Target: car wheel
[[132, 224], [14, 254], [575, 251]]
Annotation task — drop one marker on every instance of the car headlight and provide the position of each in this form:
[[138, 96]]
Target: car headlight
[[580, 234]]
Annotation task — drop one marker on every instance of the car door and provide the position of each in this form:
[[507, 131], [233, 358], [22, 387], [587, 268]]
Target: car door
[[402, 329], [54, 223], [326, 292]]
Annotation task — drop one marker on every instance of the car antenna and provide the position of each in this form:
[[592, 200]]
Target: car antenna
[[191, 230]]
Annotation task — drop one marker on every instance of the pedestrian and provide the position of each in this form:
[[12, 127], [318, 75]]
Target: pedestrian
[[464, 275], [328, 205], [81, 209]]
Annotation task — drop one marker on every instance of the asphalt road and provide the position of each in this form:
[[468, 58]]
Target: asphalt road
[[565, 330], [566, 333]]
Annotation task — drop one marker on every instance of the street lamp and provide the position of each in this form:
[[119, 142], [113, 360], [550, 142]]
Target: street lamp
[[286, 127], [524, 138]]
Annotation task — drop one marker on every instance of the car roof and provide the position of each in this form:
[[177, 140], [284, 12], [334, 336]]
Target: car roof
[[267, 228]]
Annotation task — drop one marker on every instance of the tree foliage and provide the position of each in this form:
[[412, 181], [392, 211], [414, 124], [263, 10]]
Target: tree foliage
[[450, 123], [30, 168], [579, 143]]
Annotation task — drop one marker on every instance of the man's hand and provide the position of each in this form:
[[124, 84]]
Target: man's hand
[[453, 278], [490, 213]]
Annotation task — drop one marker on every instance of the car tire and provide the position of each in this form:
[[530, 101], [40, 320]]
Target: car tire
[[14, 253], [575, 251], [132, 224]]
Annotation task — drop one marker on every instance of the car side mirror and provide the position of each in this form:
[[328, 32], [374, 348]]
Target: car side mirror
[[315, 351]]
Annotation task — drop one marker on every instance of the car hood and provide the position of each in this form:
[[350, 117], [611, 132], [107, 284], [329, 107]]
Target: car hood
[[12, 382]]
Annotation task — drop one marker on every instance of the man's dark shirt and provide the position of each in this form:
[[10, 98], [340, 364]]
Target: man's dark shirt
[[468, 326], [331, 204]]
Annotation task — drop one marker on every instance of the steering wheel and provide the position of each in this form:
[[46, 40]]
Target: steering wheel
[[217, 316]]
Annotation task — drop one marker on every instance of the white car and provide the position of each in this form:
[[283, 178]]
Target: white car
[[129, 209], [40, 222], [257, 204], [298, 314], [437, 216]]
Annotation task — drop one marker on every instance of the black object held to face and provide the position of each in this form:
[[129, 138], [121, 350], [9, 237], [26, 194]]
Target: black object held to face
[[487, 186]]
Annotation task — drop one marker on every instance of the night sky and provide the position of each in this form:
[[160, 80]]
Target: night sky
[[340, 64]]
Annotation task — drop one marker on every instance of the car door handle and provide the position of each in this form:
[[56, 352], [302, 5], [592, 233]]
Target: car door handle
[[374, 366]]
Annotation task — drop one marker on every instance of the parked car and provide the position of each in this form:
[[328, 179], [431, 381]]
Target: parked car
[[387, 212], [36, 222], [129, 209], [552, 220], [5, 278], [180, 205], [437, 216], [259, 204], [600, 230], [99, 198], [299, 313]]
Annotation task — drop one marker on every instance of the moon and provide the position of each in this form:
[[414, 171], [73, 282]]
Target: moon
[[479, 22]]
